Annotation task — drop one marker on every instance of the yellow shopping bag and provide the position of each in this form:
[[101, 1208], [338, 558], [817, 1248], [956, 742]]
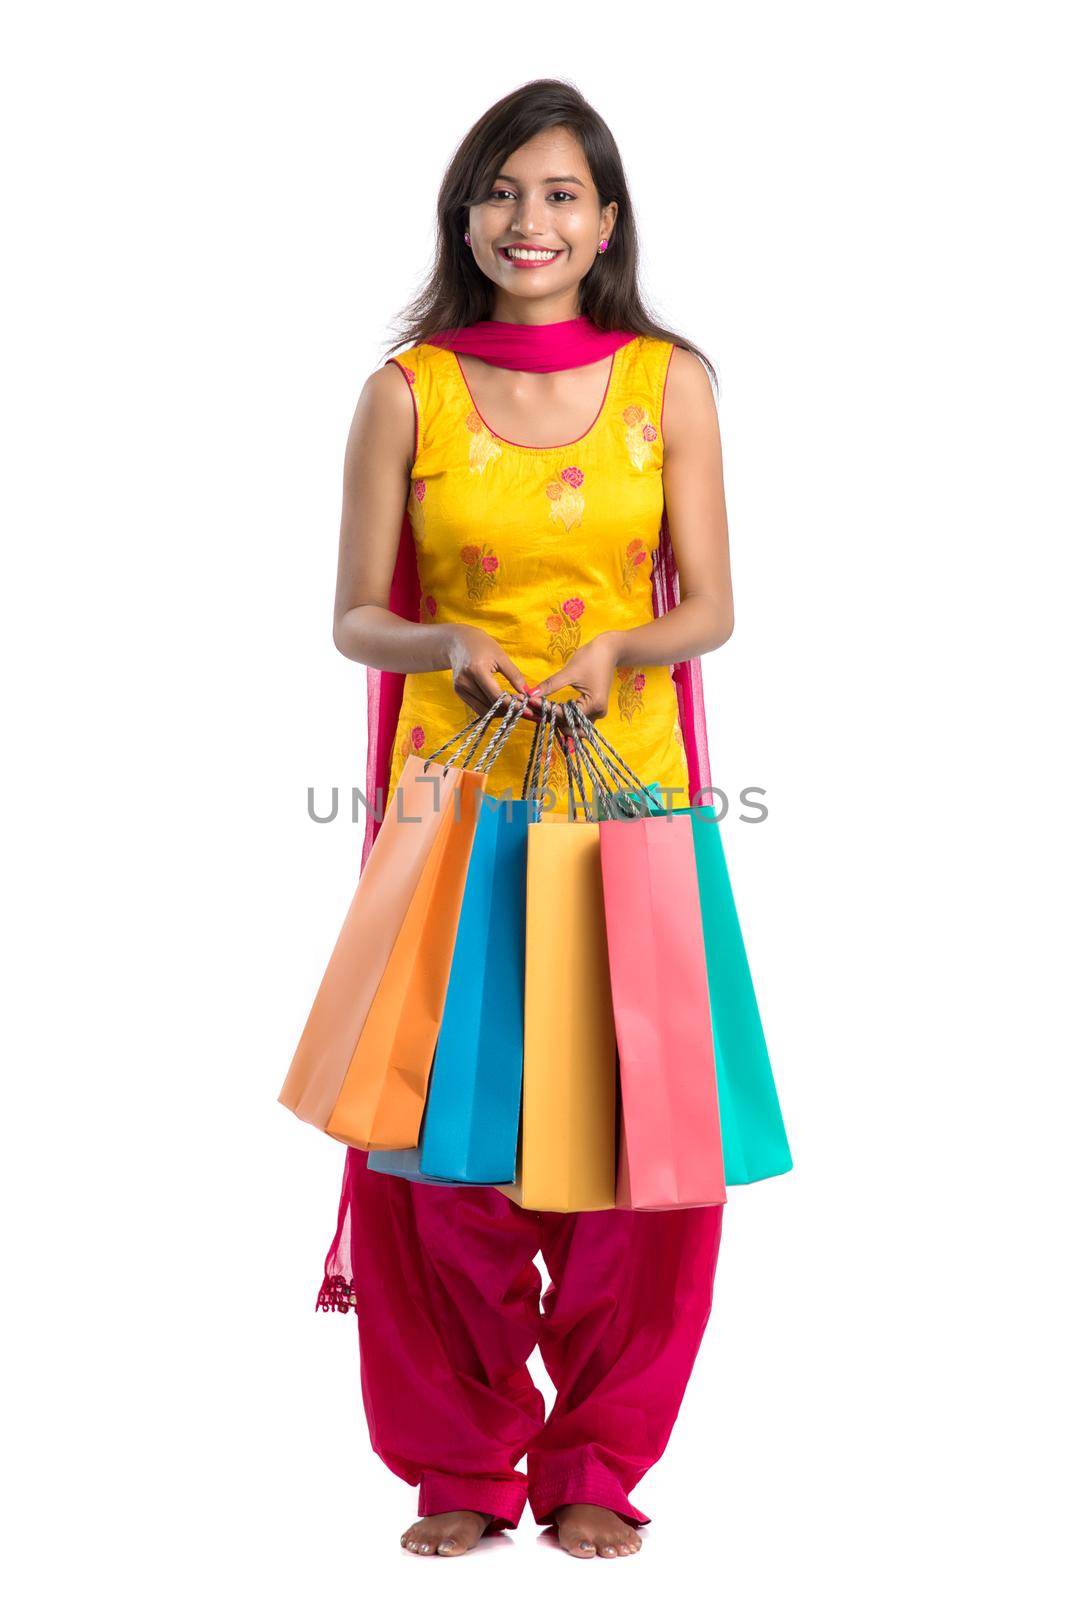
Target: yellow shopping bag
[[567, 1156]]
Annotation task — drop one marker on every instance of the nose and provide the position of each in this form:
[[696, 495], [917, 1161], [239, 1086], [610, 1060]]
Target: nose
[[529, 218]]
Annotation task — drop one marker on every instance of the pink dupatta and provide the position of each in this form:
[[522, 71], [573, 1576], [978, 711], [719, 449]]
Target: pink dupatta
[[548, 347]]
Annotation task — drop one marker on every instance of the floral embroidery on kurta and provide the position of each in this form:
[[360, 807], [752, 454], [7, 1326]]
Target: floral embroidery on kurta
[[629, 692], [543, 587], [565, 631], [640, 435], [482, 446], [480, 568], [566, 504], [415, 508], [633, 557]]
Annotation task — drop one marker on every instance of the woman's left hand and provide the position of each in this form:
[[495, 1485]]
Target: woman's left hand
[[589, 670]]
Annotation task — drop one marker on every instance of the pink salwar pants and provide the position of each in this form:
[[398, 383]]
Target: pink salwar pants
[[449, 1308]]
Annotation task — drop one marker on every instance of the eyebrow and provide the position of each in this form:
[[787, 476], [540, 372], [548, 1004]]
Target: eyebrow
[[568, 178]]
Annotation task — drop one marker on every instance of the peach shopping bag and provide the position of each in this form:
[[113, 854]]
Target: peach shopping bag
[[425, 794], [383, 896]]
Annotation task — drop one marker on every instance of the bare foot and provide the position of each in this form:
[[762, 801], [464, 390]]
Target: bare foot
[[586, 1531], [450, 1533]]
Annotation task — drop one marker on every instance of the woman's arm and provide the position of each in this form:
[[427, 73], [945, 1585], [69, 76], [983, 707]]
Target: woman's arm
[[374, 495], [378, 463], [697, 514]]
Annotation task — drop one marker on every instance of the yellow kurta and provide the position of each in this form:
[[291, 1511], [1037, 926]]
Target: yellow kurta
[[542, 548]]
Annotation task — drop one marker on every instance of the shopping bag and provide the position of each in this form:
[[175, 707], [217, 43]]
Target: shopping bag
[[754, 1138], [382, 898], [382, 1096], [472, 1113], [671, 1151], [568, 1131], [403, 1164]]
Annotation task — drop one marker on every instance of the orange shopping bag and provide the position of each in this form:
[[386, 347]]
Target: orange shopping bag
[[381, 1101], [383, 895]]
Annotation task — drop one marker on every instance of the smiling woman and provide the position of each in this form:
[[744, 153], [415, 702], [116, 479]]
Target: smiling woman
[[508, 483]]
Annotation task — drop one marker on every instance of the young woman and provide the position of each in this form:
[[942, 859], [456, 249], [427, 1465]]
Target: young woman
[[526, 444]]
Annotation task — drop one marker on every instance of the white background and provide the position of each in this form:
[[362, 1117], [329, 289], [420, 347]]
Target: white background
[[213, 213]]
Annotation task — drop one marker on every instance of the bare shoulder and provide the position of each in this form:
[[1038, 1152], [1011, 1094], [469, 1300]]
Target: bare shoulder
[[387, 393], [383, 418], [689, 400]]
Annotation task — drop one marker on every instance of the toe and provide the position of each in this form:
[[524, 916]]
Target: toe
[[576, 1543]]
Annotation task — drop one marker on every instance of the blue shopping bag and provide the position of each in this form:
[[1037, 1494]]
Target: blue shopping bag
[[471, 1123], [401, 1164]]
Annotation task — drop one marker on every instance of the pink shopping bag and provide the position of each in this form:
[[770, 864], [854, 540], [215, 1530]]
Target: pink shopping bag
[[670, 1149]]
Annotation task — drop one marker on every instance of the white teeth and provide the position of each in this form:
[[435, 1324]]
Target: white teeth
[[531, 255]]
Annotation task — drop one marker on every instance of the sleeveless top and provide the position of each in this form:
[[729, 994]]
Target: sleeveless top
[[543, 547]]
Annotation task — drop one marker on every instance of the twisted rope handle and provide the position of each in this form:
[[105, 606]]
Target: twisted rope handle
[[535, 752], [574, 775], [478, 725], [497, 743], [614, 804], [569, 766], [543, 744], [583, 759], [613, 758]]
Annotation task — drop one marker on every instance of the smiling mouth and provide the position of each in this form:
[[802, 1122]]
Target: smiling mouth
[[527, 256]]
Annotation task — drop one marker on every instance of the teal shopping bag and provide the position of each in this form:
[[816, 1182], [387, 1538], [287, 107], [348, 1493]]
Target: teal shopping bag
[[754, 1138], [471, 1123]]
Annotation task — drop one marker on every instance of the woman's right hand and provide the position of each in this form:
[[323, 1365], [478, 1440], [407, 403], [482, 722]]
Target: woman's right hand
[[474, 657]]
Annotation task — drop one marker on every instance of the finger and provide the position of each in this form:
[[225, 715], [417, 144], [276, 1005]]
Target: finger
[[508, 669], [477, 686], [551, 684], [472, 702], [487, 685]]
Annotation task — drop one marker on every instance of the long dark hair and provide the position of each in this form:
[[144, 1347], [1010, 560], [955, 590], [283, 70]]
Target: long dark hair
[[456, 292]]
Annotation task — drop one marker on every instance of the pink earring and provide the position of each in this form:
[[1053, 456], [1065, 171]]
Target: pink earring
[[467, 238], [603, 246]]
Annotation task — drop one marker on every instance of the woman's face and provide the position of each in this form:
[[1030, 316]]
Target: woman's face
[[543, 202]]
